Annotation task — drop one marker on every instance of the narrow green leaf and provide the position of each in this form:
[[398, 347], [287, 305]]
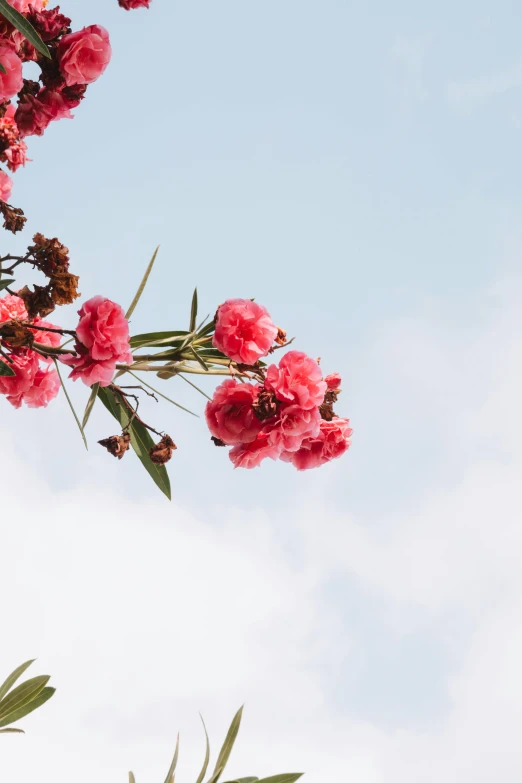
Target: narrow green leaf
[[33, 705], [193, 386], [172, 769], [157, 338], [21, 24], [5, 370], [141, 440], [5, 283], [90, 404], [22, 695], [226, 750], [198, 358], [144, 383], [8, 684], [207, 329], [207, 754], [289, 777], [2, 69], [193, 310], [71, 406], [12, 731], [142, 285], [244, 780], [132, 779]]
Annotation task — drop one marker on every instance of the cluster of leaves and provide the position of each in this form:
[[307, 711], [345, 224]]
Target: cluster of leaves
[[222, 760], [16, 703]]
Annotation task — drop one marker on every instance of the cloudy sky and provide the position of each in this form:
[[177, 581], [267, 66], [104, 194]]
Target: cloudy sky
[[354, 167]]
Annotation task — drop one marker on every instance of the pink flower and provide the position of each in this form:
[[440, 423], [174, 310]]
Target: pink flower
[[102, 342], [12, 307], [333, 381], [35, 113], [83, 56], [298, 380], [230, 416], [12, 81], [52, 339], [128, 4], [23, 5], [244, 331], [25, 366], [250, 455], [6, 186], [44, 388], [292, 426], [333, 441]]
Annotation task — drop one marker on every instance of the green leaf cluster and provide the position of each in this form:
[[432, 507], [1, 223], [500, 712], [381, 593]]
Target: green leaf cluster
[[17, 702]]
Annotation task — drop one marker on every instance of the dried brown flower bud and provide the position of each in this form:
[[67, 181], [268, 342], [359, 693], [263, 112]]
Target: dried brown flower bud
[[117, 445], [37, 302], [332, 395], [30, 88], [281, 337], [64, 286], [49, 254], [217, 441], [266, 405], [161, 453], [14, 219], [327, 412], [16, 334]]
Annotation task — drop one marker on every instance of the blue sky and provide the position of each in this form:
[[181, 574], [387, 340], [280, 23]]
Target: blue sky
[[355, 168]]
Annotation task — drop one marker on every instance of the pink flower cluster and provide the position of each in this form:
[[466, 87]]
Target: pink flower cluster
[[77, 60], [285, 416], [102, 341], [130, 4], [35, 382]]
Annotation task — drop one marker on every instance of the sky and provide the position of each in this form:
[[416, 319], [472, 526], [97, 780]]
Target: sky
[[354, 167]]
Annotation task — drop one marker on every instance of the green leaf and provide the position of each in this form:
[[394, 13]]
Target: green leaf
[[193, 310], [2, 70], [5, 283], [132, 779], [8, 684], [244, 780], [207, 755], [226, 750], [172, 769], [289, 777], [157, 338], [31, 706], [22, 695], [198, 358], [90, 404], [71, 406], [21, 24], [142, 285], [207, 329], [5, 369], [141, 440], [144, 383], [12, 731]]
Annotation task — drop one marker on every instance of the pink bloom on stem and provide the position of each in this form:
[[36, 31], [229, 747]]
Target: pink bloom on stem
[[12, 307], [14, 151], [6, 186], [292, 426], [244, 331], [25, 366], [12, 81], [35, 113], [251, 455], [23, 5], [102, 342], [333, 441], [84, 55], [333, 381], [44, 388], [298, 380], [129, 4], [230, 415]]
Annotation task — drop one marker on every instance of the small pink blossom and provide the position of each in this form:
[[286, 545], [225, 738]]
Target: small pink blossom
[[292, 426], [25, 366], [44, 388], [129, 4], [230, 415], [84, 55], [244, 331], [12, 81], [6, 186], [12, 307], [333, 381], [23, 5], [35, 113], [102, 342], [333, 441], [298, 379], [251, 455]]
